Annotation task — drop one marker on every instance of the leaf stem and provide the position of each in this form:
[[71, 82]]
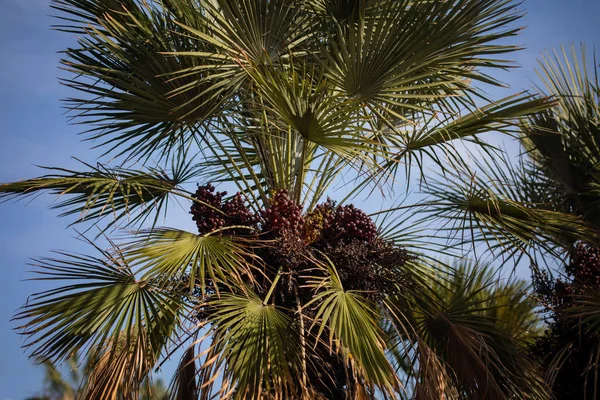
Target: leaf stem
[[266, 300]]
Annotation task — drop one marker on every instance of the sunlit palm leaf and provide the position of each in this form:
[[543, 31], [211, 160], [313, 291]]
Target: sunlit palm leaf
[[353, 329], [256, 344], [174, 255], [434, 137], [256, 31], [502, 115]]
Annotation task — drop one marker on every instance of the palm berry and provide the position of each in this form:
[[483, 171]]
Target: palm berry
[[237, 214], [347, 223], [585, 267], [283, 214], [207, 214]]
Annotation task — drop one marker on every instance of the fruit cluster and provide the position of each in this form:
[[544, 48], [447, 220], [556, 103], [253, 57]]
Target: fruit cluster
[[207, 211], [559, 297], [585, 267], [282, 215], [237, 214], [211, 212], [345, 234], [318, 220], [583, 277], [374, 268], [330, 224], [349, 223]]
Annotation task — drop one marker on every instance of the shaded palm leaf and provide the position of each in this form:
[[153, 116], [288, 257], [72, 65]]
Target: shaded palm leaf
[[119, 368], [134, 103], [476, 212], [409, 54], [124, 193], [477, 329]]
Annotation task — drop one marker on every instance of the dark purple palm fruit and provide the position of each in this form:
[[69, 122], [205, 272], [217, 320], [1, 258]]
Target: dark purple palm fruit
[[238, 214], [349, 223], [374, 268], [585, 266], [208, 214], [283, 214]]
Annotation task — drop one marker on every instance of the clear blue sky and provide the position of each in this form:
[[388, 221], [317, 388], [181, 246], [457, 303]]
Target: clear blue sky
[[34, 130]]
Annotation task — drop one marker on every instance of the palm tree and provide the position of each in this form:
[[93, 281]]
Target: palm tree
[[57, 386], [557, 179], [565, 153], [479, 327], [281, 293]]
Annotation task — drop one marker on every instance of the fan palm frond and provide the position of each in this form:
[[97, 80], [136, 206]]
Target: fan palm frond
[[476, 328], [101, 191], [104, 309], [353, 328], [255, 348], [172, 255]]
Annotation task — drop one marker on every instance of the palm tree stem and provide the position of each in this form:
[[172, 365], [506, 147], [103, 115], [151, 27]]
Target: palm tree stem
[[302, 338], [301, 174], [273, 285]]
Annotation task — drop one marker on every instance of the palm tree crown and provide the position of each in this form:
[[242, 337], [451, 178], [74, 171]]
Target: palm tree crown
[[282, 293]]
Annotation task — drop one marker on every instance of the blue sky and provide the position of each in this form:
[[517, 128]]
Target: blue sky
[[34, 130]]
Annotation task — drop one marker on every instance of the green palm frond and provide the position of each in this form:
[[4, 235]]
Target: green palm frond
[[406, 59], [353, 329], [134, 103], [102, 304], [546, 200], [172, 255], [502, 115], [435, 137], [564, 143], [77, 14], [474, 208], [304, 101], [253, 31], [586, 308], [103, 191], [229, 43], [255, 344], [477, 328]]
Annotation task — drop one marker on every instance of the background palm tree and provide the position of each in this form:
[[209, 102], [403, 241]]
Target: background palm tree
[[281, 294], [479, 328], [57, 386], [558, 175]]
